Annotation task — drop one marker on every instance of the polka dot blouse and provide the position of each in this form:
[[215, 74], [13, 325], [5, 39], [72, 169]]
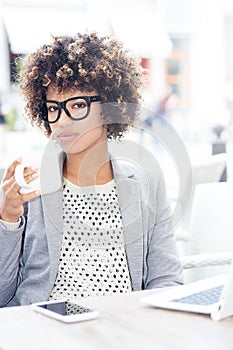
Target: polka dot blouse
[[93, 260]]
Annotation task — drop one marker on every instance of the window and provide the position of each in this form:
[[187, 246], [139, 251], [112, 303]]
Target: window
[[177, 71]]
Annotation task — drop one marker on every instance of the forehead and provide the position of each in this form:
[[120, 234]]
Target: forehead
[[54, 94]]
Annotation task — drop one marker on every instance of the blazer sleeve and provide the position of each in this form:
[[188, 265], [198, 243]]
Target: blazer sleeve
[[10, 253]]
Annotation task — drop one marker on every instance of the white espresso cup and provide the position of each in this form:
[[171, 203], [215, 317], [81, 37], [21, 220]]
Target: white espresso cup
[[19, 178]]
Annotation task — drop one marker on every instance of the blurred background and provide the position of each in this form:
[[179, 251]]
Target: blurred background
[[186, 45]]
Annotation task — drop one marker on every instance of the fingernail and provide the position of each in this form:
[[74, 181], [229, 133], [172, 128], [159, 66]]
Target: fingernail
[[34, 167], [35, 174]]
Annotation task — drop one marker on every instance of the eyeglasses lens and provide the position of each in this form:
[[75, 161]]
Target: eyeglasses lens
[[76, 108]]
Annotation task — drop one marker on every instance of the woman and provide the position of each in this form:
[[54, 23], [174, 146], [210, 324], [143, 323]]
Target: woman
[[105, 228]]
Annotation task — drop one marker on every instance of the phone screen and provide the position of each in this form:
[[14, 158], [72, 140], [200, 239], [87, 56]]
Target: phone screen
[[65, 308]]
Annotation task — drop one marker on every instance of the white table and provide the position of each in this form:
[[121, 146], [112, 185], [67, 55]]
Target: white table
[[124, 323]]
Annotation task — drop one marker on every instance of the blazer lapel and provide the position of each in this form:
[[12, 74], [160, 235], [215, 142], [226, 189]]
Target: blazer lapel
[[52, 208], [51, 189], [128, 191]]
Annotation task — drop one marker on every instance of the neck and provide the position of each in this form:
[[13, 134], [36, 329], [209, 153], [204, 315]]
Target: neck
[[91, 168]]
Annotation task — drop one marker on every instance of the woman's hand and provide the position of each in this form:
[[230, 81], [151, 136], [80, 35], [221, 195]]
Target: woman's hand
[[12, 201]]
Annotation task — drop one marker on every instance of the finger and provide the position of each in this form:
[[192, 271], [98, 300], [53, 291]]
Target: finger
[[11, 169], [31, 173], [29, 196], [10, 184]]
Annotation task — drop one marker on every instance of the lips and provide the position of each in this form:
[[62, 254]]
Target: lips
[[67, 136]]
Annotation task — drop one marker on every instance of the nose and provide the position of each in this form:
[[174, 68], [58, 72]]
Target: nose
[[64, 120]]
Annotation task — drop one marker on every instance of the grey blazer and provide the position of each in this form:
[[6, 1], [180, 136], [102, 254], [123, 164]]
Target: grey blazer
[[29, 256]]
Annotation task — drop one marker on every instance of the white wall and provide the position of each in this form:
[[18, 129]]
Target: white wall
[[208, 63], [4, 62]]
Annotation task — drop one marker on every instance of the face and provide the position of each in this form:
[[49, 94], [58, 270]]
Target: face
[[77, 136]]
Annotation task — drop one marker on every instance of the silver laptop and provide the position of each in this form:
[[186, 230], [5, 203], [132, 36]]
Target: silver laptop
[[213, 296]]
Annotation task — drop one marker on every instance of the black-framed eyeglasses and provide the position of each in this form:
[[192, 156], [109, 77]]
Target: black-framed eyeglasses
[[76, 108]]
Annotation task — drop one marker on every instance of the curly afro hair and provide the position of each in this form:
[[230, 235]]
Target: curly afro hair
[[84, 62]]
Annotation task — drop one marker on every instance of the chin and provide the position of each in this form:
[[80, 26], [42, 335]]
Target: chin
[[79, 148]]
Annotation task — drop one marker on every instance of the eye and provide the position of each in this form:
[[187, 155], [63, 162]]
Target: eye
[[52, 108], [79, 105]]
